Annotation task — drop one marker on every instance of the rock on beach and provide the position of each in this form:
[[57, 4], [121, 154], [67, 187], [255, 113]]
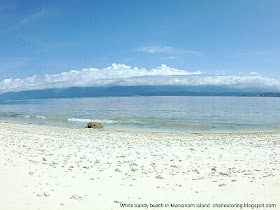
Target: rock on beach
[[95, 125]]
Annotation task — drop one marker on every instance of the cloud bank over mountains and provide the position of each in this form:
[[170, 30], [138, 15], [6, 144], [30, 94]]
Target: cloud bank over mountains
[[123, 75]]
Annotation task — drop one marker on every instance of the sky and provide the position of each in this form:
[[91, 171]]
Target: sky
[[132, 42]]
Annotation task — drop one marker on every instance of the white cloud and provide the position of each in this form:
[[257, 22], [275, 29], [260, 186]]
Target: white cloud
[[156, 49], [28, 20], [167, 49], [123, 75], [254, 73], [31, 18]]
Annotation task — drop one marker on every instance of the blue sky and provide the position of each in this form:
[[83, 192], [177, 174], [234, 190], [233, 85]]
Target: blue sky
[[213, 36]]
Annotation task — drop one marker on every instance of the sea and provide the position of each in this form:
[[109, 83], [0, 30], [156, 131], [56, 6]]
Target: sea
[[153, 113]]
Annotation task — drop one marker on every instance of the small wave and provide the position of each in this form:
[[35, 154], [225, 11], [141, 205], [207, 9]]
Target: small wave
[[132, 121], [79, 120], [19, 115], [91, 120], [41, 117], [15, 115]]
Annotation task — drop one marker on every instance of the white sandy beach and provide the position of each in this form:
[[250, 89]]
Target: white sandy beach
[[45, 167]]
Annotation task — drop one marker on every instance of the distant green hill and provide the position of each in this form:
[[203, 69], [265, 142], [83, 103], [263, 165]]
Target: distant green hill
[[132, 91], [275, 94]]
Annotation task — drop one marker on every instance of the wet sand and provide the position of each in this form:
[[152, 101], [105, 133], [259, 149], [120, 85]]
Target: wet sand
[[44, 167]]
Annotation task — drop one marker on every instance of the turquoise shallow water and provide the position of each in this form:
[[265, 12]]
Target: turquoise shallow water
[[172, 114]]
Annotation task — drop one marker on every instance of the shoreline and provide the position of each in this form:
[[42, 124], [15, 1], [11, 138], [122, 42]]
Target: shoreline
[[51, 167], [276, 129]]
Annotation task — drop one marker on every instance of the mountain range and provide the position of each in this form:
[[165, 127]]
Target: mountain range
[[136, 91]]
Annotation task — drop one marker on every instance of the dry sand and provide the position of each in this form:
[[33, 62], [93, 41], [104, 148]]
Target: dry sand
[[45, 167]]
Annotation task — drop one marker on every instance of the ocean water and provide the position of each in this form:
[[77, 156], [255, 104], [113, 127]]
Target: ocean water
[[172, 114]]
